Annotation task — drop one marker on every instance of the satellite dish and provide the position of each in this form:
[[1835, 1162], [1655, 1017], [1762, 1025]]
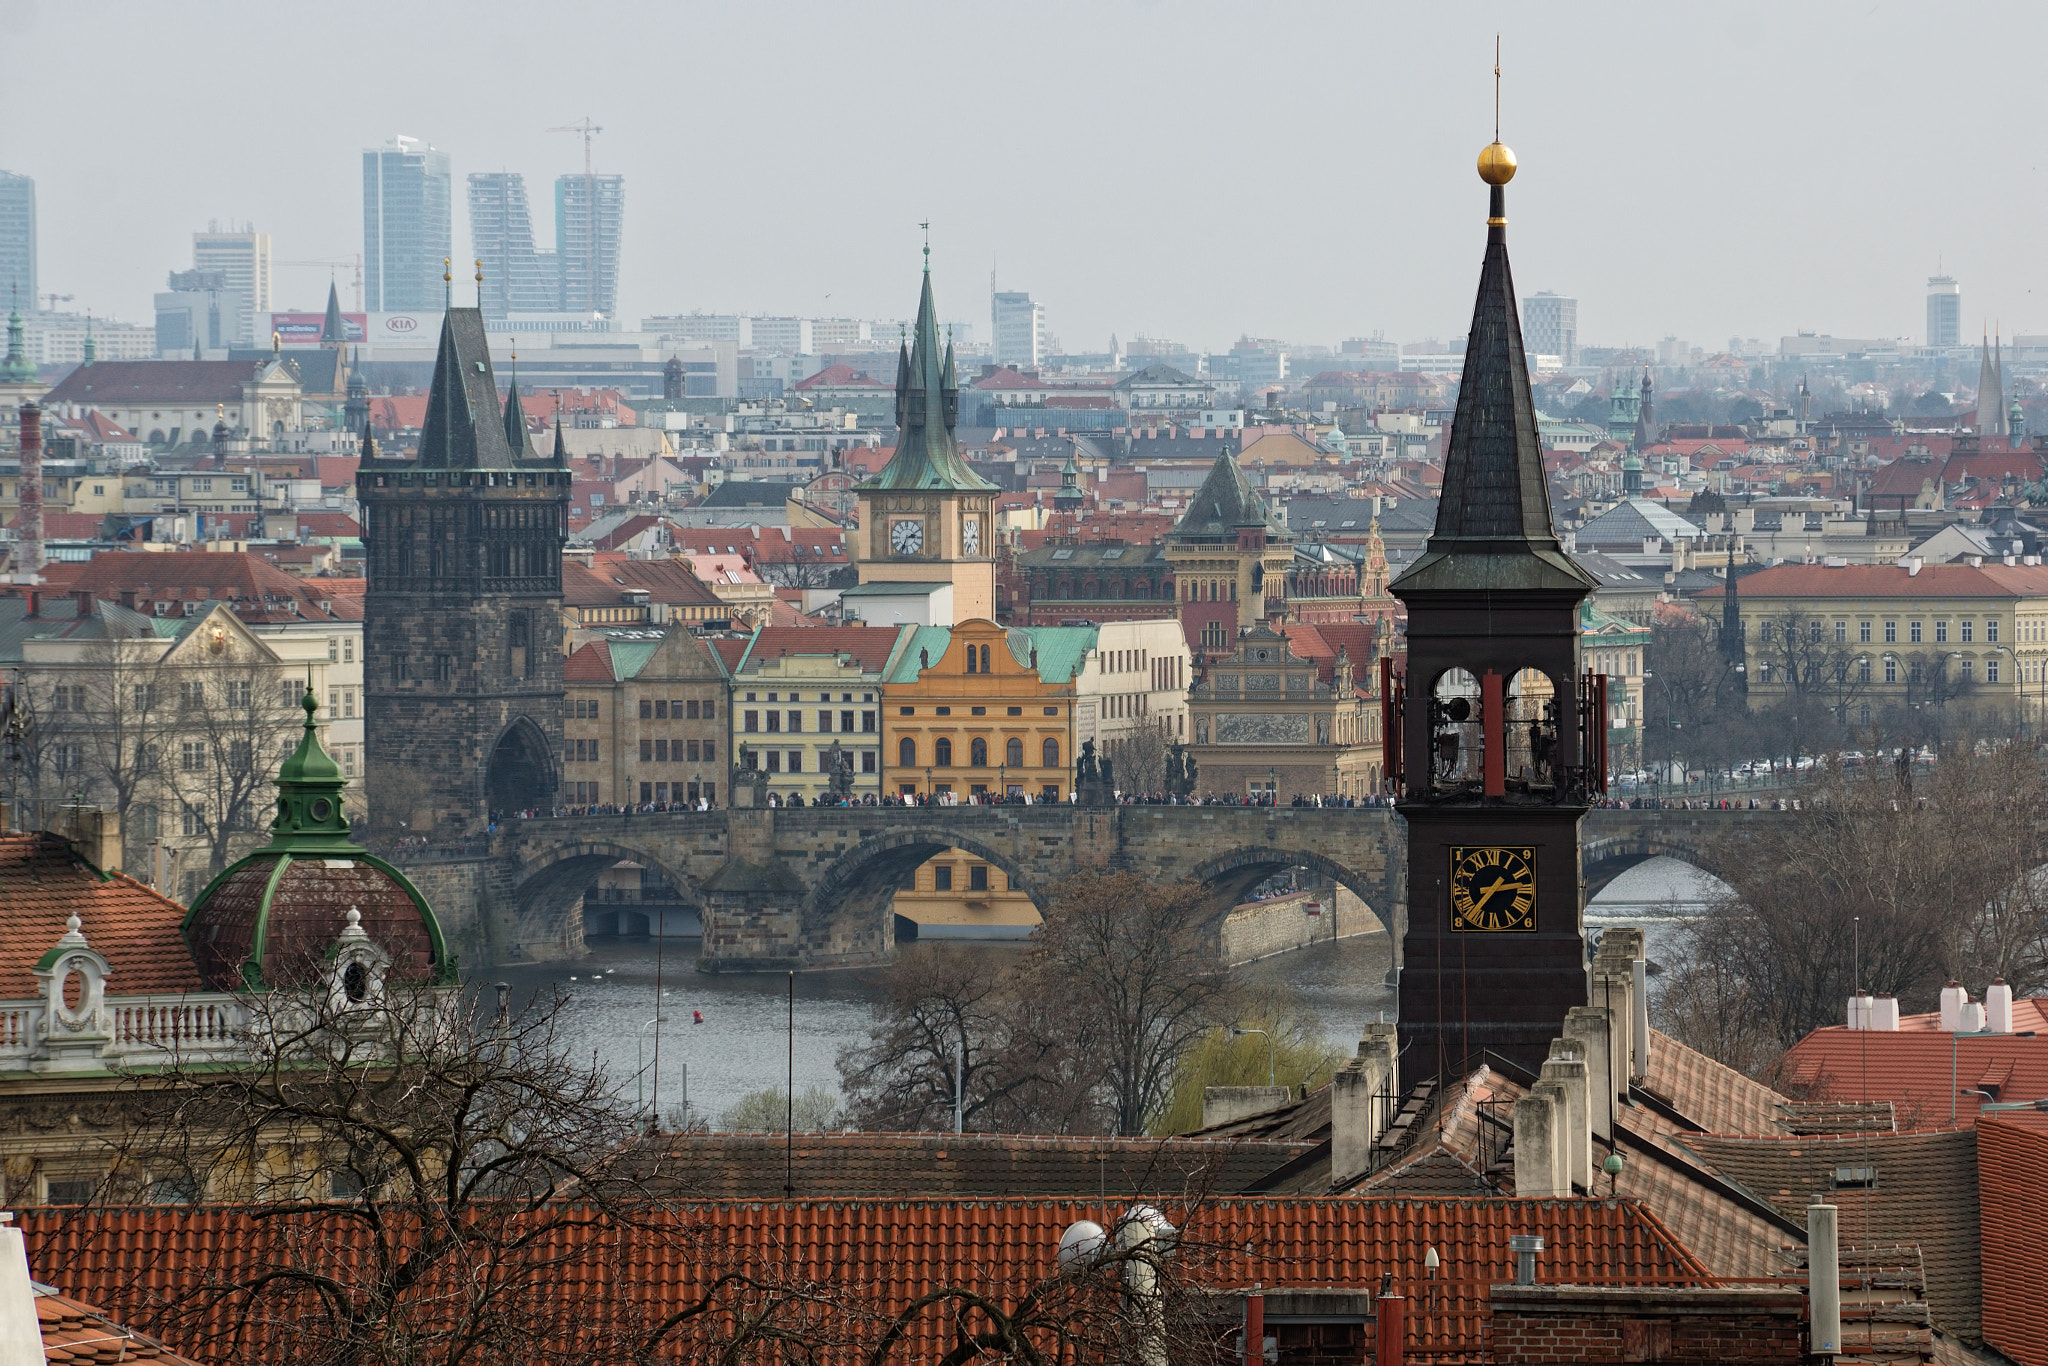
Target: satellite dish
[[1080, 1244]]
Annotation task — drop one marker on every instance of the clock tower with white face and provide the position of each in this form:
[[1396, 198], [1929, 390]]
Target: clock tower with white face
[[927, 517]]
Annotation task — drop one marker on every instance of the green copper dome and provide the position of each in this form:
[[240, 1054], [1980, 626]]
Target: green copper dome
[[274, 917]]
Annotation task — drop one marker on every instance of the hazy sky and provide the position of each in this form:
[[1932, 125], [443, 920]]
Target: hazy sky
[[1186, 170]]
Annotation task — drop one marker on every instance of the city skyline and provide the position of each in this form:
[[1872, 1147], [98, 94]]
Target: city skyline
[[1623, 213]]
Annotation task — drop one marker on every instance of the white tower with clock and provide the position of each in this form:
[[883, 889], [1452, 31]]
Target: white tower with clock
[[927, 517]]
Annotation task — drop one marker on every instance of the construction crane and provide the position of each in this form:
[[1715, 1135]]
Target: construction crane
[[589, 130], [56, 299], [354, 263]]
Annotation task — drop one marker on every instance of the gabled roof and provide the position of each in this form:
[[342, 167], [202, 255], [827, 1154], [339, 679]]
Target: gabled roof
[[664, 581], [1633, 521], [1493, 529], [43, 879], [1225, 502], [867, 646], [172, 383], [258, 593], [1159, 374]]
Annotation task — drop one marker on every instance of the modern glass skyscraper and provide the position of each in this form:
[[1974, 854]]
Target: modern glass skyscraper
[[588, 210], [17, 240], [1944, 312], [243, 260], [1017, 329], [408, 196], [1550, 326], [517, 278]]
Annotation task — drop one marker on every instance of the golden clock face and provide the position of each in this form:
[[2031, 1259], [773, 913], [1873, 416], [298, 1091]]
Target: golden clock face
[[1493, 887]]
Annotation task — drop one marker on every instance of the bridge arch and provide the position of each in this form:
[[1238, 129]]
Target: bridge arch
[[1231, 876], [549, 885], [850, 906], [1603, 859]]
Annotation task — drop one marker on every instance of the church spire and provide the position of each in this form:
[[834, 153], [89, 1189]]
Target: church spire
[[463, 428], [1990, 419], [927, 403], [515, 416], [333, 331], [16, 368], [1493, 527]]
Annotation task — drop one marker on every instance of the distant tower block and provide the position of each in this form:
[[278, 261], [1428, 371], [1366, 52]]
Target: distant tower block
[[1944, 312]]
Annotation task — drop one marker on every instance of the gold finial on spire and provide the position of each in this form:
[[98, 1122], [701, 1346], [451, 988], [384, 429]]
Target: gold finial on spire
[[447, 282], [927, 226], [1496, 159]]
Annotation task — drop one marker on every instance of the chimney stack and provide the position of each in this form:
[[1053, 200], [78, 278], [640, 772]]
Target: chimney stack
[[1541, 1166], [1952, 998], [28, 553], [1859, 1010], [1998, 1007], [1361, 1097], [1613, 988], [1588, 1027], [1823, 1281], [1973, 1018], [1525, 1246], [1566, 1067]]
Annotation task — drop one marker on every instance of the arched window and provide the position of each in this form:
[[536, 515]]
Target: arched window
[[1052, 753], [984, 659], [906, 753], [942, 752], [977, 752], [970, 660], [1013, 753]]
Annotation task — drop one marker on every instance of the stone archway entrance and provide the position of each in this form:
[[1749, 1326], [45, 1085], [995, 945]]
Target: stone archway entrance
[[522, 774]]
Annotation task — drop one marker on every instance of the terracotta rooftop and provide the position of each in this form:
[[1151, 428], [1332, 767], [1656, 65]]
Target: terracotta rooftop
[[42, 881], [75, 1334], [1932, 1079], [664, 581], [143, 1263], [257, 592], [2012, 1172], [1890, 581]]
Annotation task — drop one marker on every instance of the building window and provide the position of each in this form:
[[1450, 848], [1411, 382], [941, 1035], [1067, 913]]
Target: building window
[[1991, 631], [1013, 753], [906, 753], [647, 751], [192, 756], [191, 824], [1969, 632], [867, 761], [1966, 672], [796, 761], [1990, 671], [646, 709], [1841, 633], [710, 711], [1863, 669], [867, 723], [977, 878], [1891, 633], [977, 752], [751, 721], [775, 761], [774, 723], [1891, 669], [942, 752], [942, 877], [1863, 632], [1913, 632], [1052, 753]]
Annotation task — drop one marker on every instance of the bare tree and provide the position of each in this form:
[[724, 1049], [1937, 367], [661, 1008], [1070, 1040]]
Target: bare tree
[[233, 719], [1140, 755], [117, 721], [1876, 880]]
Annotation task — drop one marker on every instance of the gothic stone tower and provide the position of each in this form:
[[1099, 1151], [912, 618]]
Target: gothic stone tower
[[1497, 733], [461, 617]]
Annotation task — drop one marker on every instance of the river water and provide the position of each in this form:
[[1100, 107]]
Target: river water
[[724, 1035]]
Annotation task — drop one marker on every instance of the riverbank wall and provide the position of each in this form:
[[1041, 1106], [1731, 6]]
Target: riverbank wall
[[1282, 924]]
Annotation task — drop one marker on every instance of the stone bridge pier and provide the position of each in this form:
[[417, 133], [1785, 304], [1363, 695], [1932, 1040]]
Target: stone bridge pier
[[811, 887]]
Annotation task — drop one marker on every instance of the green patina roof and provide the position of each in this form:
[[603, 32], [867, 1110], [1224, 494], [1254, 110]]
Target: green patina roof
[[1061, 650], [629, 657], [932, 640], [927, 402]]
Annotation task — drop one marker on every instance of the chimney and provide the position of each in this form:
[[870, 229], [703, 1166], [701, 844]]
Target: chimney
[[1859, 1010], [1639, 1002], [21, 1335], [1361, 1097], [1913, 563], [1952, 998], [1566, 1066], [84, 598], [1540, 1163], [1613, 988], [1823, 1281], [1973, 1018], [1525, 1246], [94, 833], [28, 554], [1885, 1013], [1998, 1007], [1587, 1026]]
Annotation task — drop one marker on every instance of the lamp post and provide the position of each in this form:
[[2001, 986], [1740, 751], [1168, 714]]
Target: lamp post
[[1272, 786], [1003, 779], [1238, 1033], [640, 1056]]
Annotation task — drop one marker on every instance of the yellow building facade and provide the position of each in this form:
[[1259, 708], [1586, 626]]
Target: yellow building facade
[[981, 710]]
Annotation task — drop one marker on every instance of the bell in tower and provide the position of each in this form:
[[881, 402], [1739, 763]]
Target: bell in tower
[[1494, 746]]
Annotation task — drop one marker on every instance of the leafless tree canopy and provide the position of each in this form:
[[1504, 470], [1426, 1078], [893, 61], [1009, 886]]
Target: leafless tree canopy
[[1083, 1036], [1879, 880]]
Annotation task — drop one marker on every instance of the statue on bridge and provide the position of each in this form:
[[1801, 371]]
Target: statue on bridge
[[1180, 772], [839, 765], [1094, 783]]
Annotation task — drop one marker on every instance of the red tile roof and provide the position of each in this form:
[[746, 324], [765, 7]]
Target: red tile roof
[[327, 524], [590, 663], [1912, 1067], [170, 382], [869, 646], [258, 593], [78, 1333], [143, 1262], [42, 881], [838, 377], [665, 581], [2012, 1172], [1891, 581]]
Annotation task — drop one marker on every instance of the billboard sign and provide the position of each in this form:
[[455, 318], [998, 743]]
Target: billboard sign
[[303, 329], [405, 329]]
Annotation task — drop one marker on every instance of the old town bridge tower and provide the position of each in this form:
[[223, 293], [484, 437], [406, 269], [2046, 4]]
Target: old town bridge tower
[[461, 626], [1494, 735]]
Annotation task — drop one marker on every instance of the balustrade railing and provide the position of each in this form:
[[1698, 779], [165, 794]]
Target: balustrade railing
[[142, 1030]]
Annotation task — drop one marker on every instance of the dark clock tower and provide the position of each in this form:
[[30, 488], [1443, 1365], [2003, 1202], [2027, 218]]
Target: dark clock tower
[[1494, 738], [462, 634]]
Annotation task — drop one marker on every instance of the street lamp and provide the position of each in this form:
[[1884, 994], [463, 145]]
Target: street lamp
[[640, 1056], [1237, 1033]]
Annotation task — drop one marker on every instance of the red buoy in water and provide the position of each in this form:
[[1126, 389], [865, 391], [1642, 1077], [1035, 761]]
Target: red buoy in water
[[696, 1017]]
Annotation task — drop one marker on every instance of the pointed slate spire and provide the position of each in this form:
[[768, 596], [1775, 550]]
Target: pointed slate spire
[[463, 427], [333, 331], [515, 418], [927, 403], [1493, 527], [1990, 398], [561, 447]]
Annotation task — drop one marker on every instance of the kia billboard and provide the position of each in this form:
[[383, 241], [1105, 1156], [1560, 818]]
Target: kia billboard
[[303, 329], [405, 329]]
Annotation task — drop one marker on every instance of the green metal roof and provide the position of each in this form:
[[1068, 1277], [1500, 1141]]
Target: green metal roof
[[1060, 649], [927, 397], [932, 640], [629, 657]]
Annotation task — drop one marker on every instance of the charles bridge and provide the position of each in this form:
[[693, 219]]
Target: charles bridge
[[810, 887]]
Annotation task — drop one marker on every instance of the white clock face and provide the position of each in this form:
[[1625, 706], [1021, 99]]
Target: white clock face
[[970, 535], [907, 537]]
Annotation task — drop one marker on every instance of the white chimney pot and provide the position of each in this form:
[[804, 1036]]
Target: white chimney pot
[[1973, 1018], [1998, 1007], [1952, 998]]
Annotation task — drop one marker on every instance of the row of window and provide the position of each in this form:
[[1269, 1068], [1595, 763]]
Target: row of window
[[977, 752], [1767, 631], [657, 709], [792, 760], [1915, 672], [973, 711], [661, 751], [792, 722]]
